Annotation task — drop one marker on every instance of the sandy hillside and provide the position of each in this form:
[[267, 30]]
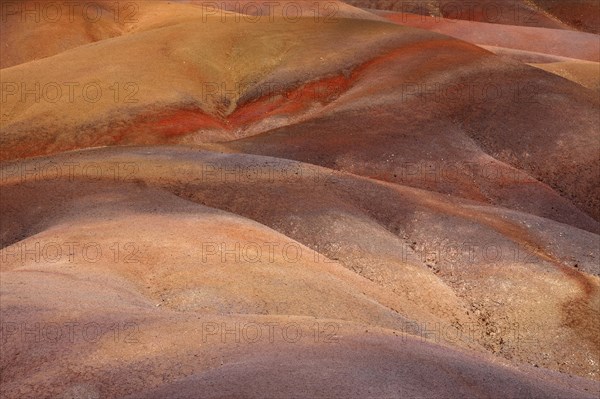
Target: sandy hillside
[[301, 201]]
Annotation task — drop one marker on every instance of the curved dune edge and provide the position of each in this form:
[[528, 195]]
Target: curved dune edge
[[586, 74], [25, 39], [582, 15], [556, 42]]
